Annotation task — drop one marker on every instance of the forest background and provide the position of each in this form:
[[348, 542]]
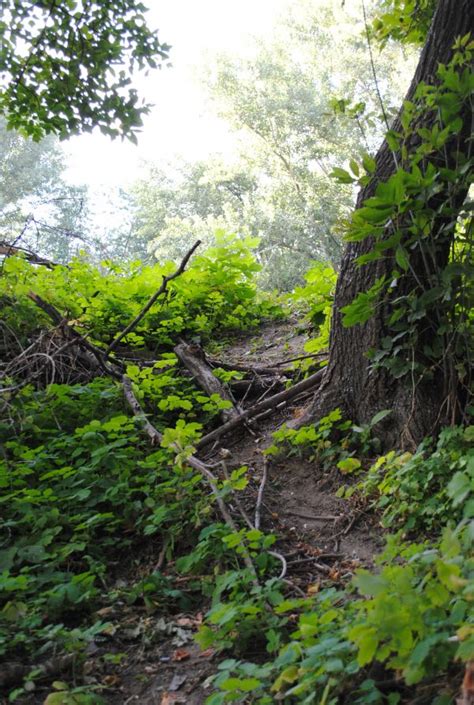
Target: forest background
[[284, 113]]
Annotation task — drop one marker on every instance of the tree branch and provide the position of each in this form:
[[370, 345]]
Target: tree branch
[[151, 301], [269, 403]]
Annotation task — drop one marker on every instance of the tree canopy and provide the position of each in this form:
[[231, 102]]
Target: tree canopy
[[65, 67]]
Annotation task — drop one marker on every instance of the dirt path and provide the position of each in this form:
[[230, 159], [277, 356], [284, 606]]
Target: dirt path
[[324, 538]]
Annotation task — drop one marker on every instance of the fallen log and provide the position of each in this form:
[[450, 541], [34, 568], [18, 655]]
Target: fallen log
[[268, 403], [194, 359]]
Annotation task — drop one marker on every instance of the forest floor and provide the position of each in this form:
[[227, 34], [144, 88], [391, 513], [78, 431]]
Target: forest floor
[[322, 537]]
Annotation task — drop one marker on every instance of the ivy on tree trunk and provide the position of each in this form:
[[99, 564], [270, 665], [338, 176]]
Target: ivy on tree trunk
[[419, 403]]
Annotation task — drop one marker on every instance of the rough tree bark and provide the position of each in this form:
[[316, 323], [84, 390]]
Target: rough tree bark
[[349, 383]]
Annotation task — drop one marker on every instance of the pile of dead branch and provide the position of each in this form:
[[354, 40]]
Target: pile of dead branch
[[61, 354]]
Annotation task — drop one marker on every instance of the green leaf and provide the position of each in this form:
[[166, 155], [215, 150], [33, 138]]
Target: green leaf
[[369, 163], [342, 176], [244, 685], [379, 416], [402, 259]]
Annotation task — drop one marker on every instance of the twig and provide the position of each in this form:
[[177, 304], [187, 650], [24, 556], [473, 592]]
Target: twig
[[295, 588], [301, 357], [271, 402], [239, 367], [151, 301], [372, 65], [258, 505], [153, 434], [281, 558], [315, 517], [11, 250], [162, 555], [59, 320]]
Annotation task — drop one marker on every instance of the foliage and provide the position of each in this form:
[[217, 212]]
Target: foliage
[[427, 296], [66, 66], [316, 299], [216, 293], [414, 609], [80, 488], [422, 492], [404, 20], [38, 209], [331, 438], [413, 615]]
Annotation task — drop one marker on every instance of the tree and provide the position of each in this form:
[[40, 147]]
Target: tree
[[296, 113], [399, 279], [65, 66], [38, 209], [302, 110]]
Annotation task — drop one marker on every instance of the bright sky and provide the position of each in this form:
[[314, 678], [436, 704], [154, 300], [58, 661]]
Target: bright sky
[[179, 122]]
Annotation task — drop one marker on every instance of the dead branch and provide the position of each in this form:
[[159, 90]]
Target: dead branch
[[282, 559], [11, 250], [151, 301], [194, 359], [258, 505], [315, 517], [239, 367], [269, 403], [309, 356], [68, 330], [255, 385], [156, 437]]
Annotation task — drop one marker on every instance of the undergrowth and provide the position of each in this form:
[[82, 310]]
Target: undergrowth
[[83, 492]]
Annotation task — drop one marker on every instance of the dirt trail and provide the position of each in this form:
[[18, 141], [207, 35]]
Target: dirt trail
[[297, 490], [324, 538]]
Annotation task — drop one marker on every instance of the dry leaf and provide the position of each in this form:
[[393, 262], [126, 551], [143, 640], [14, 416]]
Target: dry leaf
[[180, 655]]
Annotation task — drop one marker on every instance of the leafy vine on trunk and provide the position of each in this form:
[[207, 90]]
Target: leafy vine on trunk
[[402, 302]]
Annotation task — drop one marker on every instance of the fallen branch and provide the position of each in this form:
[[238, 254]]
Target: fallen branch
[[269, 403], [309, 356], [258, 505], [315, 517], [151, 301], [156, 437], [59, 320], [239, 367], [12, 250], [194, 359], [282, 559]]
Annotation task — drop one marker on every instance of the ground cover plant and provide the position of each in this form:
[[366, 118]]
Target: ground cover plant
[[83, 489]]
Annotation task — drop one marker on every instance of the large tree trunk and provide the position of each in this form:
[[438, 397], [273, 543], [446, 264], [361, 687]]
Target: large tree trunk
[[418, 406]]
